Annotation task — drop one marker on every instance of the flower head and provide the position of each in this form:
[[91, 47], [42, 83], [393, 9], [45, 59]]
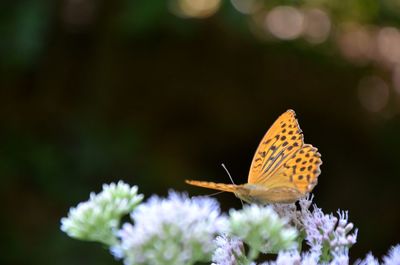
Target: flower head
[[262, 229], [230, 251], [289, 210], [393, 257], [293, 257], [177, 230], [99, 217], [327, 234], [369, 260], [288, 258], [340, 259], [341, 239], [310, 258]]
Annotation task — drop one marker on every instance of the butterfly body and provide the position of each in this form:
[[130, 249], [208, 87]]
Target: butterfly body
[[253, 193], [284, 168], [260, 194]]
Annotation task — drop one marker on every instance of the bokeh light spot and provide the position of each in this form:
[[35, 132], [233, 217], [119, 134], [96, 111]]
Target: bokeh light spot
[[373, 93], [317, 26], [285, 22], [388, 42], [246, 6], [195, 8], [356, 43]]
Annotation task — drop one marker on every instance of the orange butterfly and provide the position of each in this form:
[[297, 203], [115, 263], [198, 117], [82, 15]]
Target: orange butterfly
[[283, 169]]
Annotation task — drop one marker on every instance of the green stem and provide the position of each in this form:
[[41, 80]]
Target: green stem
[[300, 239], [253, 254]]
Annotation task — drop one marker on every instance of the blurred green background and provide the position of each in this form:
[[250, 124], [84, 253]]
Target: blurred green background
[[153, 92]]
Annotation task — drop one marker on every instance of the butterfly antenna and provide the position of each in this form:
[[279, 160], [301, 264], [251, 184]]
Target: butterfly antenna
[[215, 193], [228, 173]]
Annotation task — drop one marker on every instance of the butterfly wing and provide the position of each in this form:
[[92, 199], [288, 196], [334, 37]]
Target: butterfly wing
[[281, 141], [299, 172], [214, 186]]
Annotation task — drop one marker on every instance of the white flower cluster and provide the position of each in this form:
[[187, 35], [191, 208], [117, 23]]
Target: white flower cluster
[[287, 257], [262, 229], [230, 251], [99, 217], [307, 258], [175, 231], [327, 234], [288, 211], [369, 260], [311, 258], [392, 258], [324, 233]]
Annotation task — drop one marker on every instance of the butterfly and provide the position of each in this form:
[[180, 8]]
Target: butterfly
[[284, 168]]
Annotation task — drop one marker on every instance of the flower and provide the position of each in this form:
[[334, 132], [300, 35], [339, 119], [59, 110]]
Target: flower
[[393, 257], [230, 251], [369, 260], [318, 227], [293, 257], [289, 210], [340, 259], [310, 258], [262, 229], [98, 218], [327, 234], [341, 240], [288, 258], [176, 230]]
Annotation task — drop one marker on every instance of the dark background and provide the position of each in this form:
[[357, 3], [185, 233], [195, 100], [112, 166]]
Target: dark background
[[97, 91]]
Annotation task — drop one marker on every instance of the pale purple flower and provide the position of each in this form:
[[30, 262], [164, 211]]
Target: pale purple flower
[[318, 227], [322, 229], [340, 259], [310, 258], [289, 212], [393, 257], [342, 240], [369, 260], [288, 258], [229, 250], [293, 257]]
